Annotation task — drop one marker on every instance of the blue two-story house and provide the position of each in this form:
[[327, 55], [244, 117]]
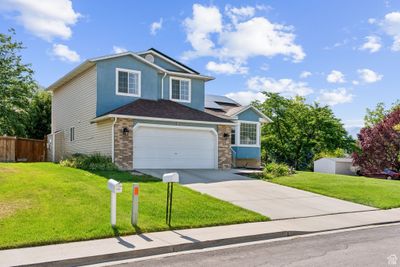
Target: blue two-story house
[[148, 111]]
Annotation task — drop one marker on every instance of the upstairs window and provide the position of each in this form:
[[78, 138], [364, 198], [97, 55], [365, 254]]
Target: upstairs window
[[248, 134], [128, 82], [180, 89]]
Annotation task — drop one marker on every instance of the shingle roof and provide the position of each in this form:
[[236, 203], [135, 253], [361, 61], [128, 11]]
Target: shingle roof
[[164, 109]]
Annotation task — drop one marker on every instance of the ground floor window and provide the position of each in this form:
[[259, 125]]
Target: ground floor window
[[72, 134], [248, 133], [233, 135]]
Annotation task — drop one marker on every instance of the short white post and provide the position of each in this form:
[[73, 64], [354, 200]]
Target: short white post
[[115, 187], [113, 209], [170, 179], [135, 204]]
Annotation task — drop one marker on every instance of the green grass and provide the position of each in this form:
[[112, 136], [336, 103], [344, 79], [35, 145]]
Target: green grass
[[44, 203], [379, 193]]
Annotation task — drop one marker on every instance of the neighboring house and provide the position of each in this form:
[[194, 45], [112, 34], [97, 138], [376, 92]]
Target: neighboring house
[[147, 111]]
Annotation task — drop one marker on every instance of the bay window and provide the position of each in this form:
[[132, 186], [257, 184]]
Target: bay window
[[248, 133]]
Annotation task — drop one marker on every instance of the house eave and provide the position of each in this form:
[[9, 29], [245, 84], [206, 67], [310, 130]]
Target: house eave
[[109, 116], [264, 118], [70, 75]]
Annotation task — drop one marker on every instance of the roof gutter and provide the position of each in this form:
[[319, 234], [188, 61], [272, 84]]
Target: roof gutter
[[108, 116], [162, 85]]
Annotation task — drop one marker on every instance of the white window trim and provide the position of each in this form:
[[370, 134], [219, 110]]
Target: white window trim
[[129, 71], [170, 89], [237, 130]]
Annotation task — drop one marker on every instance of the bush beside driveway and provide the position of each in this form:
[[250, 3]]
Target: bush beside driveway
[[44, 203], [378, 193]]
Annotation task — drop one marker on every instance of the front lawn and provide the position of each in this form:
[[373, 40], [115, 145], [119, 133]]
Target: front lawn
[[43, 203], [384, 194]]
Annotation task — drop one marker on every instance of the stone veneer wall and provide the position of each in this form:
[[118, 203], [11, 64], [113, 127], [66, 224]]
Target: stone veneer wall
[[123, 144], [224, 147], [248, 163]]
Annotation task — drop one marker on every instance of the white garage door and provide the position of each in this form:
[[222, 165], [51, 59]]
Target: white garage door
[[169, 147]]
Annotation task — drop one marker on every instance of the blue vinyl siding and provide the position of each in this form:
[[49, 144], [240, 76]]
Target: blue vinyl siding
[[249, 115], [247, 152], [243, 152], [107, 99], [197, 93], [164, 64]]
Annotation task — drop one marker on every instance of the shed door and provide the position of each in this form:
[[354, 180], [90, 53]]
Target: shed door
[[174, 147]]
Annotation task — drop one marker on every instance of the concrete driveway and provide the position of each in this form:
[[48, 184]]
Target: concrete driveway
[[273, 200]]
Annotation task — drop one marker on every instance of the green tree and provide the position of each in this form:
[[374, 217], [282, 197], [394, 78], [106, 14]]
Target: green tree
[[376, 115], [39, 123], [16, 87], [299, 131]]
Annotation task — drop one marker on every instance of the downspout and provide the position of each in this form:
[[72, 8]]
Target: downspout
[[113, 139], [162, 85], [53, 136]]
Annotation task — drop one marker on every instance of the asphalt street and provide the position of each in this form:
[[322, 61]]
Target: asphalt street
[[378, 246]]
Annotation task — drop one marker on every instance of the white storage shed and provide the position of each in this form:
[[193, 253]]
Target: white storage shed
[[334, 166]]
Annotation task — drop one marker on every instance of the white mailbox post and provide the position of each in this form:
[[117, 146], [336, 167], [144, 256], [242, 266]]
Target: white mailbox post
[[170, 179], [115, 187]]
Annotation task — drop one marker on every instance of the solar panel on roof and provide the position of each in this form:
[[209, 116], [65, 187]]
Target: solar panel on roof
[[220, 98], [212, 104]]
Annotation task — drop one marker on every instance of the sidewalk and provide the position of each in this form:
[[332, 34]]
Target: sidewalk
[[111, 249]]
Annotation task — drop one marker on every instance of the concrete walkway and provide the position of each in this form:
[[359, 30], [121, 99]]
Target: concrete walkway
[[273, 200], [120, 248]]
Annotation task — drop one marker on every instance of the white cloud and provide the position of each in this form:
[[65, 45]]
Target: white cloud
[[247, 37], [369, 76], [286, 87], [256, 85], [354, 123], [205, 21], [334, 97], [337, 44], [246, 97], [305, 74], [373, 44], [259, 37], [239, 13], [335, 77], [355, 82], [119, 49], [63, 53], [391, 26], [156, 26], [46, 19], [226, 68]]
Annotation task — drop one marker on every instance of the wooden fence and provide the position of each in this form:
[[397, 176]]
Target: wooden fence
[[15, 149]]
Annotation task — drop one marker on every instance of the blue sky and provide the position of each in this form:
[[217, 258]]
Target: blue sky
[[342, 53]]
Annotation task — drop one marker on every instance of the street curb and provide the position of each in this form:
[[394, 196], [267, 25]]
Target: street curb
[[187, 246]]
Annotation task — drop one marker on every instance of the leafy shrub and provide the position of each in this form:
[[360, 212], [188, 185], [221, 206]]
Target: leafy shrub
[[94, 162], [273, 170], [337, 153]]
